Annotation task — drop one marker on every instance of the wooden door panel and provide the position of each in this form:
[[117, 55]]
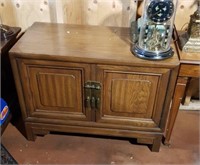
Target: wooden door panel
[[130, 95], [56, 89]]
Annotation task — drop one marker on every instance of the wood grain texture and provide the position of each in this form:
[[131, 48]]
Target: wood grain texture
[[73, 11], [116, 105], [190, 70], [77, 43], [130, 96], [127, 90], [94, 131], [54, 91], [57, 89], [178, 95]]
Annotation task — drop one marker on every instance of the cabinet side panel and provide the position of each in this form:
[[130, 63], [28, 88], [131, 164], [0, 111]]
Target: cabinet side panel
[[18, 83]]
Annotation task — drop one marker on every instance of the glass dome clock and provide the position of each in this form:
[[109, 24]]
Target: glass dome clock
[[155, 30]]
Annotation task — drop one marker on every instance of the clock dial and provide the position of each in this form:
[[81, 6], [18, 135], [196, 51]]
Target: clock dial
[[160, 11]]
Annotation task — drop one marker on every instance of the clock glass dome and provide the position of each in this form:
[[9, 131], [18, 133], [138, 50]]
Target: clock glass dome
[[155, 29]]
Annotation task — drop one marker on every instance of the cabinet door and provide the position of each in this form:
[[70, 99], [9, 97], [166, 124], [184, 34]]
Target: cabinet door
[[132, 96], [54, 90]]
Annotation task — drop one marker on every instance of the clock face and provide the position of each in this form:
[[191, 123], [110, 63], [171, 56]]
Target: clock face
[[160, 11]]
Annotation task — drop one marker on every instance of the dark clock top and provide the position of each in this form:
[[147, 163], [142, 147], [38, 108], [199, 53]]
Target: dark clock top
[[160, 11]]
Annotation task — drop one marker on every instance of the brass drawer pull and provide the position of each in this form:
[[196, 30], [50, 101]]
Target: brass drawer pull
[[92, 94], [87, 102], [93, 103], [98, 103]]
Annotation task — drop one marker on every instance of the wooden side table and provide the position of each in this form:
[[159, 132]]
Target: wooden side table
[[8, 92], [189, 68]]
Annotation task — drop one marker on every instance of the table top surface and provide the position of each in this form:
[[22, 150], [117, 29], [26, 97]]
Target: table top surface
[[187, 57], [83, 43], [5, 42]]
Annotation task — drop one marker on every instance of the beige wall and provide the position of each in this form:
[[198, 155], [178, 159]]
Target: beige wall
[[23, 13], [95, 12]]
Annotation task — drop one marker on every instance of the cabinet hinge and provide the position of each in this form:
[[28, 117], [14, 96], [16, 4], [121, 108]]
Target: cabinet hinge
[[92, 94]]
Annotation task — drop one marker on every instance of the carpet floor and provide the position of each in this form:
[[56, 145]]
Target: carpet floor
[[6, 157], [71, 149]]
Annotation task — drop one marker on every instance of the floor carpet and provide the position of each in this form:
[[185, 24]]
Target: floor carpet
[[73, 149], [6, 157]]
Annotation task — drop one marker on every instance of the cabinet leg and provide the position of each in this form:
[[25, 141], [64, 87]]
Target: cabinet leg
[[30, 137], [29, 133], [155, 147]]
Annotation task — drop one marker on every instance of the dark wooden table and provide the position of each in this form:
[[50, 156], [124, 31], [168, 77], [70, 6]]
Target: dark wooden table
[[189, 68], [8, 92]]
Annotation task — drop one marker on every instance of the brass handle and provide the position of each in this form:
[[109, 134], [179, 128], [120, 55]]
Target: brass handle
[[98, 103], [92, 95], [93, 102], [98, 96], [97, 87], [87, 102]]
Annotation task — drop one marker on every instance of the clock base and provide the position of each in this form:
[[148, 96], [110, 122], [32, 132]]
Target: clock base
[[141, 53]]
